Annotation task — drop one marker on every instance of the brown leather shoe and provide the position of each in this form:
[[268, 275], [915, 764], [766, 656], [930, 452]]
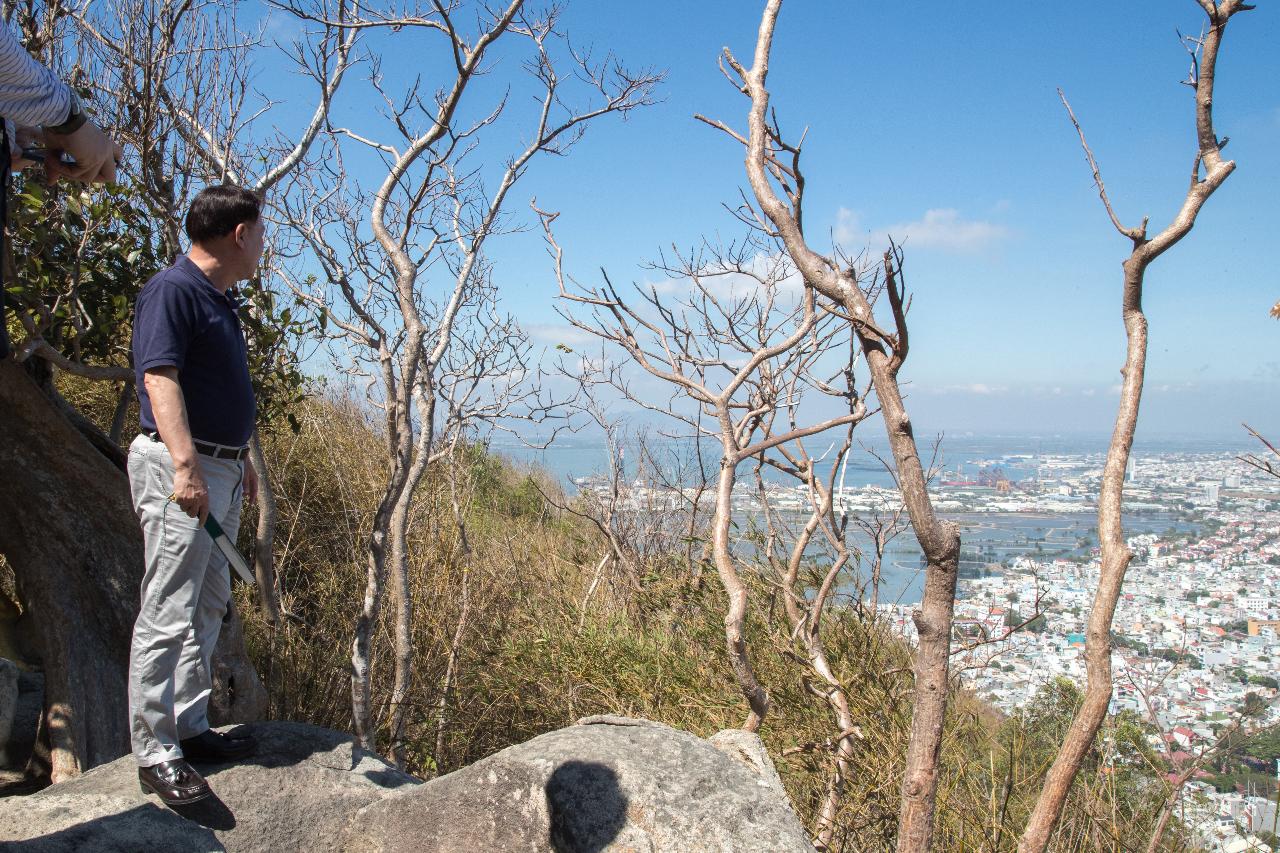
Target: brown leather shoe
[[175, 782], [215, 746]]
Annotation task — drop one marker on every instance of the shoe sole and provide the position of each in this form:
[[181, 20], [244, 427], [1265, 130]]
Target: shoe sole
[[174, 801]]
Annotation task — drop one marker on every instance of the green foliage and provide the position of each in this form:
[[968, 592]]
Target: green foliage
[[274, 329], [1176, 656], [1264, 746], [1038, 625], [79, 259]]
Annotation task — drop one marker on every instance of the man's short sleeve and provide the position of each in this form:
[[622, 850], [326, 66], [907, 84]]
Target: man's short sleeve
[[163, 326]]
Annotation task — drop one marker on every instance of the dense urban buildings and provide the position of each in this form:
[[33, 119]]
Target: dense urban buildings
[[1196, 634]]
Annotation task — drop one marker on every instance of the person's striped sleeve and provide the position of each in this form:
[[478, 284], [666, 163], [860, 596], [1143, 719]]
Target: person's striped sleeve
[[30, 94]]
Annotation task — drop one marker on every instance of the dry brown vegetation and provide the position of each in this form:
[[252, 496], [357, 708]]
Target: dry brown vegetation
[[531, 660]]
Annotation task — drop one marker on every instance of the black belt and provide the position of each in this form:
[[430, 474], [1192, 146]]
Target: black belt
[[217, 451]]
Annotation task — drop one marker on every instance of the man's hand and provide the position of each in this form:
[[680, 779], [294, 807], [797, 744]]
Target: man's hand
[[95, 153], [190, 491], [250, 482], [23, 137]]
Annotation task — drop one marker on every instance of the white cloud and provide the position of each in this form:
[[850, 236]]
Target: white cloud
[[1175, 387], [762, 270], [939, 228], [945, 229], [849, 230]]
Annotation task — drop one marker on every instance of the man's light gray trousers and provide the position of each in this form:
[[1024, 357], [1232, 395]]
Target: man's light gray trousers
[[185, 594]]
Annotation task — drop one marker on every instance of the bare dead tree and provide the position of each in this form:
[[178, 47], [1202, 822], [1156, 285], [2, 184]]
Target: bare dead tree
[[484, 388], [773, 169], [707, 338], [1208, 172], [430, 213], [805, 602], [681, 470], [733, 353], [603, 506], [641, 510]]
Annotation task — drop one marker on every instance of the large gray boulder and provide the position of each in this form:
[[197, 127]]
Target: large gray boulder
[[295, 794], [607, 784]]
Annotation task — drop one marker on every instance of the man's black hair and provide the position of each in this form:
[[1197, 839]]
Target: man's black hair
[[217, 210]]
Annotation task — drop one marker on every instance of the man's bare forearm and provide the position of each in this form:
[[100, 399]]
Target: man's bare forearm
[[169, 409]]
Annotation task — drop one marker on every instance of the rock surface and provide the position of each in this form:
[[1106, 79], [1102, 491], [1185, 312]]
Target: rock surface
[[22, 736], [8, 704], [297, 793], [607, 784]]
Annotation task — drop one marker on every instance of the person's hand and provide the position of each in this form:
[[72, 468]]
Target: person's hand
[[190, 492], [95, 155], [250, 482], [23, 137]]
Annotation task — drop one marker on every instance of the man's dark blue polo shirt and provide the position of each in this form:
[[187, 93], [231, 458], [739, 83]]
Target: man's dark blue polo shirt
[[182, 321]]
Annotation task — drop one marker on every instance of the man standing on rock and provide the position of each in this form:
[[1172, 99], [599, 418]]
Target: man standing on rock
[[197, 413]]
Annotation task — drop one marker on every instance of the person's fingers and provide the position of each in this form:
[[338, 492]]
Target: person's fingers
[[107, 173], [84, 171], [94, 155], [53, 167], [56, 168], [117, 155]]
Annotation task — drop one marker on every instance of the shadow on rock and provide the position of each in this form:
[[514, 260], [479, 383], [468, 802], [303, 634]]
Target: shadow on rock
[[389, 778], [587, 807], [210, 813], [144, 827]]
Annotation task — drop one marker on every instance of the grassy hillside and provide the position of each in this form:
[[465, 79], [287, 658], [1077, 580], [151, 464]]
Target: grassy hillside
[[531, 658]]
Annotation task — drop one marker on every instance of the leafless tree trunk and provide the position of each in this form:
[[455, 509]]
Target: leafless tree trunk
[[805, 608], [264, 535], [1115, 553], [770, 161], [430, 212], [459, 496]]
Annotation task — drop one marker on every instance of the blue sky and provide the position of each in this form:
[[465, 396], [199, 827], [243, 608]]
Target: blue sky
[[942, 127]]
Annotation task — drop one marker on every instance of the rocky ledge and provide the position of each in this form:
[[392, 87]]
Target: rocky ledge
[[606, 784]]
